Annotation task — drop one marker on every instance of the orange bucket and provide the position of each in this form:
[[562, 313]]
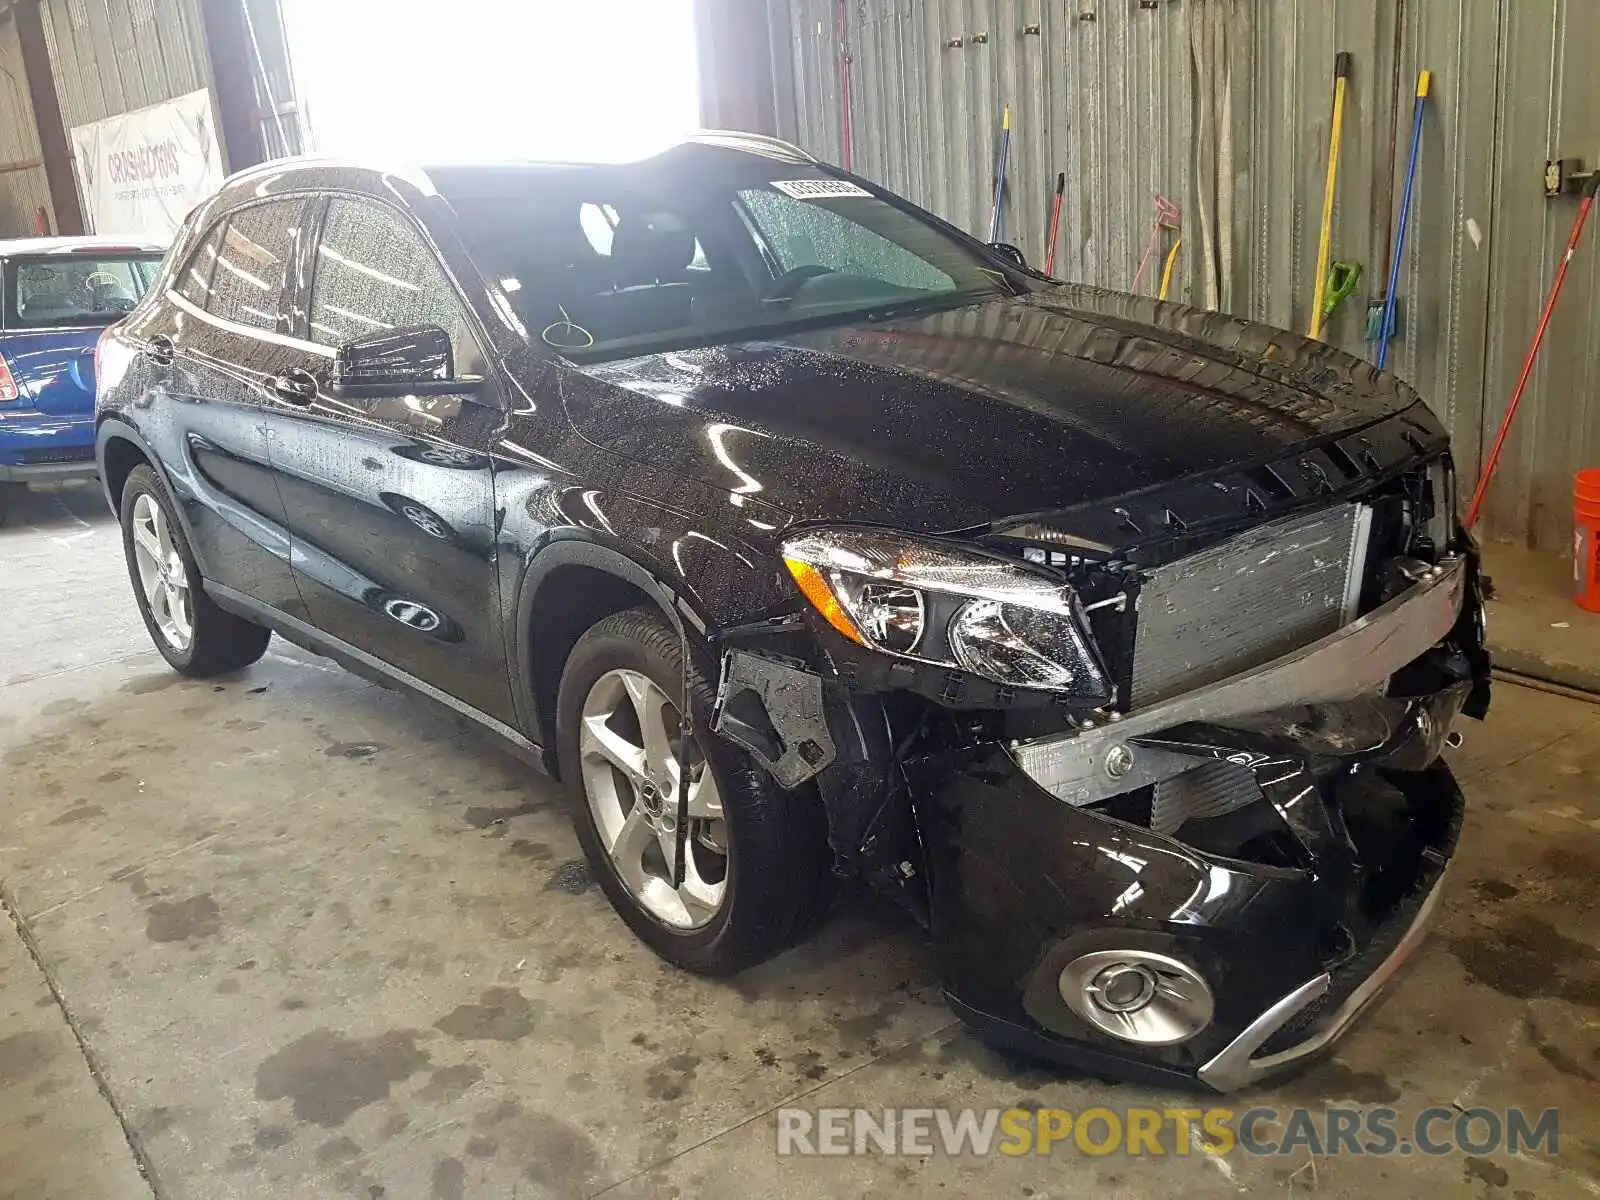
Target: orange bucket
[[1586, 539]]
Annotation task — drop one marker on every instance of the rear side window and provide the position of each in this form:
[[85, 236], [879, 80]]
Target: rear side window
[[194, 281], [374, 273], [239, 271], [75, 289]]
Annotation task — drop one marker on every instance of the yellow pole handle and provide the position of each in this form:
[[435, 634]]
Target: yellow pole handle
[[1166, 271], [1325, 235]]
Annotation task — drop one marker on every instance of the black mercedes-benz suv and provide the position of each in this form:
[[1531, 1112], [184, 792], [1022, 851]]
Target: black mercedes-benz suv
[[804, 537]]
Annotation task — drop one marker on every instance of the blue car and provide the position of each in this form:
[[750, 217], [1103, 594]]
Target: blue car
[[57, 295]]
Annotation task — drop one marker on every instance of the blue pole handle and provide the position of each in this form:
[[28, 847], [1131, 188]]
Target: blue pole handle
[[995, 213], [1386, 331]]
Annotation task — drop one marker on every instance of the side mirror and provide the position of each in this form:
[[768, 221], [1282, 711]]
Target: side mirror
[[1010, 253], [414, 361]]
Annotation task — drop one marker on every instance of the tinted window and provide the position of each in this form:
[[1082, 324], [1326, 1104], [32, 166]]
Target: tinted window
[[194, 281], [75, 289], [701, 245], [599, 223], [374, 272], [248, 259]]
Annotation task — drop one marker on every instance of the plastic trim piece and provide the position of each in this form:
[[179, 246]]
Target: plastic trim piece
[[788, 734], [40, 472]]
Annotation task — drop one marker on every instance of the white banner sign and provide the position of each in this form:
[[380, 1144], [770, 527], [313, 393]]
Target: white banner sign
[[142, 172]]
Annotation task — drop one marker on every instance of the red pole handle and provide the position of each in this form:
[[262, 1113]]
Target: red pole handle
[[1533, 352], [1055, 225]]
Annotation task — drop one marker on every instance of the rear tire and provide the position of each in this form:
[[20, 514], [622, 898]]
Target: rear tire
[[777, 875], [196, 637], [8, 492]]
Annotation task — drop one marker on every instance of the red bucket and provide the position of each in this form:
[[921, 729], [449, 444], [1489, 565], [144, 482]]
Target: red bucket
[[1586, 539]]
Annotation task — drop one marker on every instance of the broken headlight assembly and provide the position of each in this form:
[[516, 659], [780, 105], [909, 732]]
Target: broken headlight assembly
[[951, 608]]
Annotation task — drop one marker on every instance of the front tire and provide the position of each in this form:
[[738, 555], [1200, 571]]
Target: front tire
[[756, 871], [196, 637]]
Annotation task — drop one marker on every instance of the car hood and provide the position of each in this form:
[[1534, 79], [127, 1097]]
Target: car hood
[[960, 418]]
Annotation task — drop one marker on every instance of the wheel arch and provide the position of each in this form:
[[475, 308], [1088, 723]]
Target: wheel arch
[[120, 448], [569, 586]]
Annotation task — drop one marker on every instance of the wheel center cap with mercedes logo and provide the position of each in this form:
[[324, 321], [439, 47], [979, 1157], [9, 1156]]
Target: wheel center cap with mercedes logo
[[650, 796]]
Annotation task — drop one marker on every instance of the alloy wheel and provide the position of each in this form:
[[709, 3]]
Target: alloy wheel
[[634, 778], [162, 576]]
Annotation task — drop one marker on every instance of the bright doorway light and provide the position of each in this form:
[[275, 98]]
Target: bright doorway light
[[453, 80]]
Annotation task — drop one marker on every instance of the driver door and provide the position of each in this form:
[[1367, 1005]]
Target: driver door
[[390, 500]]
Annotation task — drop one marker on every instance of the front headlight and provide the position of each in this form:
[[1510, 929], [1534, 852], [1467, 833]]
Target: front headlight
[[953, 608]]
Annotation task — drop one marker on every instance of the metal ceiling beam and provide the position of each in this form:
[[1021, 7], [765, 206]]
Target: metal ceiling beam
[[232, 75]]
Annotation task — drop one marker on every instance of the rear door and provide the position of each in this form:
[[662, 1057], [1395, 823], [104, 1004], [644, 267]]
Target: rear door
[[209, 359], [391, 501]]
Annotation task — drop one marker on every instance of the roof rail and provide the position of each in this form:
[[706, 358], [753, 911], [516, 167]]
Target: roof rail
[[410, 172], [739, 139], [733, 139]]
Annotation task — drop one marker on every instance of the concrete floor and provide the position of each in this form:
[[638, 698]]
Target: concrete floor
[[1535, 626], [288, 934]]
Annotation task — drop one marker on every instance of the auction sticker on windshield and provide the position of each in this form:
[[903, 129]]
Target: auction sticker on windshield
[[818, 189]]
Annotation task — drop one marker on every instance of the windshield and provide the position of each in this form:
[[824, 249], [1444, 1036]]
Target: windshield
[[609, 261], [58, 290]]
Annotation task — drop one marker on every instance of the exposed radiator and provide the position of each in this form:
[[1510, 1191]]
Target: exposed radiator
[[1248, 600], [1211, 790]]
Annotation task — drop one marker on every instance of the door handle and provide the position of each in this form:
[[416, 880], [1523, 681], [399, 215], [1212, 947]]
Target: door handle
[[296, 386], [159, 350]]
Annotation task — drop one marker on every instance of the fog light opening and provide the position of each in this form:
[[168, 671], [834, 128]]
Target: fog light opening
[[1138, 996]]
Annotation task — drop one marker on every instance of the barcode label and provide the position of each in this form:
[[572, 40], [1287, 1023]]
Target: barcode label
[[819, 189]]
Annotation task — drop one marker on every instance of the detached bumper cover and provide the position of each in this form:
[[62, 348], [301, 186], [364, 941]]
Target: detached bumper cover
[[1314, 1015], [1031, 867]]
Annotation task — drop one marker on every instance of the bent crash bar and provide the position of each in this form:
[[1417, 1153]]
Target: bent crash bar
[[1105, 760]]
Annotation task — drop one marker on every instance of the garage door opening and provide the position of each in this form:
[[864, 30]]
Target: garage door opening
[[609, 80]]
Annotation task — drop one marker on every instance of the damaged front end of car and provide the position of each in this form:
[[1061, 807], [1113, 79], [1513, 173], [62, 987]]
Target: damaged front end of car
[[1164, 778]]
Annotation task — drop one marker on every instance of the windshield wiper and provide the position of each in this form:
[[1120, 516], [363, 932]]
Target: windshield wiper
[[905, 308]]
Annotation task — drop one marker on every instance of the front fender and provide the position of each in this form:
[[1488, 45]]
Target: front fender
[[701, 582]]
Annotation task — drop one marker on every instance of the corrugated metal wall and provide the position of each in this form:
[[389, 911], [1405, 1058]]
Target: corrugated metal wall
[[22, 184], [1549, 103], [113, 56], [108, 57], [1175, 98]]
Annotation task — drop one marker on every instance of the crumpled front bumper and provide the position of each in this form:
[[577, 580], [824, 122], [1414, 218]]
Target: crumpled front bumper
[[1030, 870]]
